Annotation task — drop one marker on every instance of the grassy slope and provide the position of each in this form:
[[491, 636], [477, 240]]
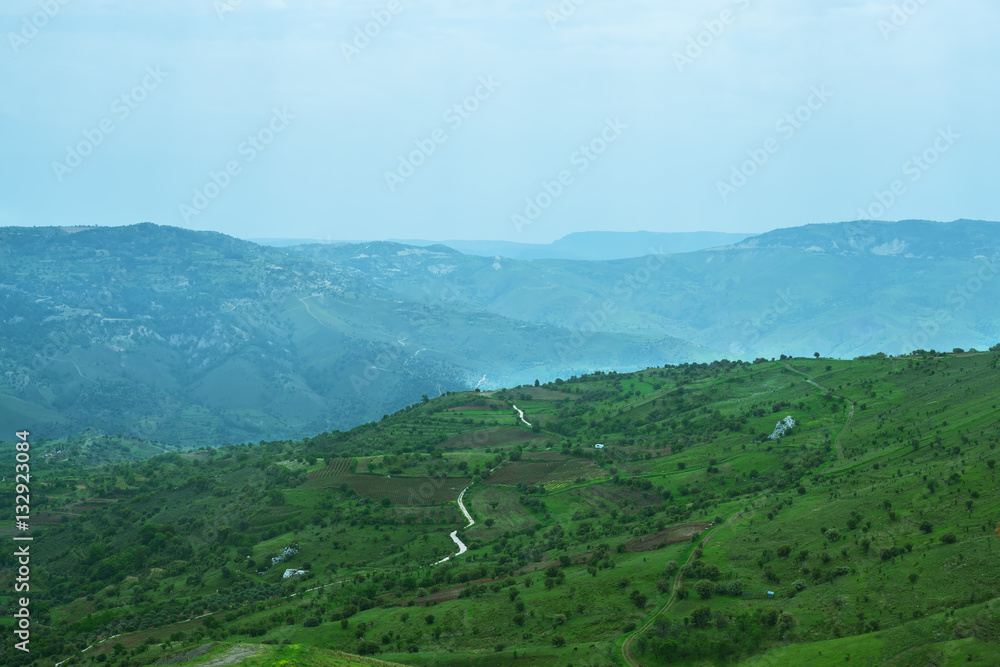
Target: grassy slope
[[655, 434]]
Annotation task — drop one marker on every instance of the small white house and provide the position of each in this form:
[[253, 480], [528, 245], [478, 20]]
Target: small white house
[[598, 446]]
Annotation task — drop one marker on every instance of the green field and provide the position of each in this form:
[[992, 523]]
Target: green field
[[872, 521]]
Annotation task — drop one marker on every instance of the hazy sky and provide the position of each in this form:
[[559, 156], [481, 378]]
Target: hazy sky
[[512, 120]]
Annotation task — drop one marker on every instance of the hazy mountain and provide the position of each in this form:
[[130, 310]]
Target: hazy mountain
[[579, 245], [200, 338], [841, 289]]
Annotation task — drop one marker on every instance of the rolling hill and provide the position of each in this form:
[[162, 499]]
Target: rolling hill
[[873, 522]]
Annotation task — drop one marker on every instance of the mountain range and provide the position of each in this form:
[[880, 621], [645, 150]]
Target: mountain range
[[200, 338]]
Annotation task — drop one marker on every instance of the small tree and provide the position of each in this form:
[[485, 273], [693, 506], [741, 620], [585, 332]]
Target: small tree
[[785, 621], [704, 588]]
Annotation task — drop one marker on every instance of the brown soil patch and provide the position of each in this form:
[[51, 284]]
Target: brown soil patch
[[545, 472], [672, 535], [401, 491]]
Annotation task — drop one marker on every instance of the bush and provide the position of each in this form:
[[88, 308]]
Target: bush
[[310, 622], [784, 550], [799, 585], [949, 538], [704, 588], [558, 641], [733, 587]]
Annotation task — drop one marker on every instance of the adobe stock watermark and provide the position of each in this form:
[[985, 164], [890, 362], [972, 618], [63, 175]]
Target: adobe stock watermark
[[913, 169], [33, 24], [622, 292], [753, 329], [454, 116], [121, 108], [375, 368], [582, 158], [562, 12], [363, 35], [706, 38], [786, 126], [958, 298], [899, 17], [223, 7], [248, 151]]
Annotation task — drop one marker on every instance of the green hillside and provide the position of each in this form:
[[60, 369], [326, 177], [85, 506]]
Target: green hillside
[[872, 521]]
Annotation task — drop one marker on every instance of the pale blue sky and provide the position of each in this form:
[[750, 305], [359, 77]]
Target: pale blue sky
[[198, 80]]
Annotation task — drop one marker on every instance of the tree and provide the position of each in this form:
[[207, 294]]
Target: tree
[[701, 617], [558, 641], [429, 619], [948, 538], [816, 354], [785, 621], [784, 550], [926, 526], [704, 588]]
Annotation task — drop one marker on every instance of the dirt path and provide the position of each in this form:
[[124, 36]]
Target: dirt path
[[850, 410], [627, 646], [454, 534], [520, 414], [836, 441]]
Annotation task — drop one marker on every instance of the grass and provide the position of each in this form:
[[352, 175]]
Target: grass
[[786, 492]]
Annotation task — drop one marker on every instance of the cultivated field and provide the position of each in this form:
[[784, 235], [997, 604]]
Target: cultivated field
[[553, 474], [490, 438], [406, 491]]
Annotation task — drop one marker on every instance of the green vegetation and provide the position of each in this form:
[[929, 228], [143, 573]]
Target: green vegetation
[[871, 521]]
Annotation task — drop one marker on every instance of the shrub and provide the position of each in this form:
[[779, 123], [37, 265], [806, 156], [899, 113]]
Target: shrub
[[949, 538], [784, 550], [310, 622], [733, 587], [704, 588]]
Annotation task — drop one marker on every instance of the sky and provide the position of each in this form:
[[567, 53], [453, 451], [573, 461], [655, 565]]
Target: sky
[[510, 120]]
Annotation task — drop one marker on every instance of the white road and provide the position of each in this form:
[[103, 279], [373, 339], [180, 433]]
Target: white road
[[454, 534], [520, 414]]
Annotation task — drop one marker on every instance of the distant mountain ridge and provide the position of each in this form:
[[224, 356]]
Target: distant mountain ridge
[[589, 246], [202, 338]]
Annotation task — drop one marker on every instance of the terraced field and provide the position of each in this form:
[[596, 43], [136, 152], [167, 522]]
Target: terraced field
[[404, 491], [553, 474]]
